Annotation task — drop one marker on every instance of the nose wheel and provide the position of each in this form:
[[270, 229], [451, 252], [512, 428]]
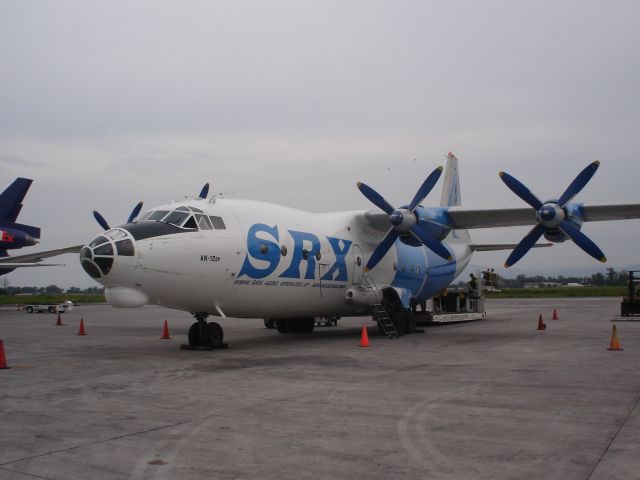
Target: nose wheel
[[205, 336]]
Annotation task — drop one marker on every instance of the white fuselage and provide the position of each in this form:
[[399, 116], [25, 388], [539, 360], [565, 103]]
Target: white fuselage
[[267, 261]]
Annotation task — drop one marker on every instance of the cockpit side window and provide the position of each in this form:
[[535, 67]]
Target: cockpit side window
[[218, 223], [182, 209], [176, 218], [157, 215], [190, 223], [203, 222]]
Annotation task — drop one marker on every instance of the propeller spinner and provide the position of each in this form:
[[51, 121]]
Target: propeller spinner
[[552, 215], [404, 221]]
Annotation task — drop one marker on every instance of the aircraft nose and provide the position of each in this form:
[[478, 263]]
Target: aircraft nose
[[98, 256]]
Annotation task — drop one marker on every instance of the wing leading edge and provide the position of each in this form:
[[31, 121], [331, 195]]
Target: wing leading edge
[[34, 259], [462, 218]]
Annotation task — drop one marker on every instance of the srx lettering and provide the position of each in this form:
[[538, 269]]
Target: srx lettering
[[264, 250]]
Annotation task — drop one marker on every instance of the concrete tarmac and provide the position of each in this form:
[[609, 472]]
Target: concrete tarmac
[[494, 399]]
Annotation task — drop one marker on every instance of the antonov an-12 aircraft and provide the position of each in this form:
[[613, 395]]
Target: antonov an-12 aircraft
[[239, 258]]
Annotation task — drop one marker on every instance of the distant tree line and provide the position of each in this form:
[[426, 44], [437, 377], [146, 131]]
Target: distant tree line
[[611, 277], [51, 289]]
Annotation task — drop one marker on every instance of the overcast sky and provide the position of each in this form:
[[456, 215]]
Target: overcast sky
[[104, 104]]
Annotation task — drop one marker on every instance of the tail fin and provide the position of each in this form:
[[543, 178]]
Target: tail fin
[[11, 199], [11, 204], [451, 188]]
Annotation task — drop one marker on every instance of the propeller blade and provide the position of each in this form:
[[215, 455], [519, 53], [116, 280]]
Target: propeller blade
[[425, 188], [134, 212], [525, 244], [430, 242], [578, 184], [375, 198], [582, 241], [205, 191], [382, 249], [520, 190], [100, 219]]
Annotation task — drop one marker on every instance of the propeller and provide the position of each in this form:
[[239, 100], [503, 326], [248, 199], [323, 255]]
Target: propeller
[[552, 215], [104, 224], [404, 221]]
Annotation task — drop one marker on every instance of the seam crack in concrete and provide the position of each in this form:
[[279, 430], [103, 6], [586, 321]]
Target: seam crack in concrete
[[615, 435], [24, 473], [98, 442]]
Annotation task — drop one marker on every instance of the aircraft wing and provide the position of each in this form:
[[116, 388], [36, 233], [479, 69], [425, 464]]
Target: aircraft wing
[[463, 218], [489, 247], [34, 259]]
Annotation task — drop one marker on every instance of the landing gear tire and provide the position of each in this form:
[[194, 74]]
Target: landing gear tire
[[270, 322], [283, 325], [29, 309], [214, 335], [295, 325], [306, 325], [194, 335], [205, 335]]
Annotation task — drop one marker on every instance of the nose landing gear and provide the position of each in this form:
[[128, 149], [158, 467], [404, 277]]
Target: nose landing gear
[[205, 336]]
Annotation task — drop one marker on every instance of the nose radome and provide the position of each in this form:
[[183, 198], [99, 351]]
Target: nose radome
[[97, 257]]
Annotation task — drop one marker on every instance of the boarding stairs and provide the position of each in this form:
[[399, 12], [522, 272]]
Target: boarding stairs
[[380, 314]]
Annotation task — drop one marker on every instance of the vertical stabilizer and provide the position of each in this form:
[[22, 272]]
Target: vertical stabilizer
[[451, 187]]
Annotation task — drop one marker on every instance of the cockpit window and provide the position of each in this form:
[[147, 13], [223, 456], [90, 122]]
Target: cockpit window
[[157, 215], [125, 248], [190, 223], [116, 234], [176, 217], [105, 249], [99, 241], [203, 222], [182, 209], [218, 223], [194, 209]]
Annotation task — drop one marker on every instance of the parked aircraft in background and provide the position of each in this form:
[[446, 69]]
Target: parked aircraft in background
[[239, 258], [17, 235]]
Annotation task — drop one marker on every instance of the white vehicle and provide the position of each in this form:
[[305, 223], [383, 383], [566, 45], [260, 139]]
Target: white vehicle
[[49, 307], [239, 258]]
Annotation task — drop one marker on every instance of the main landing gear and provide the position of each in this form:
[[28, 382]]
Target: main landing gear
[[291, 325], [203, 335]]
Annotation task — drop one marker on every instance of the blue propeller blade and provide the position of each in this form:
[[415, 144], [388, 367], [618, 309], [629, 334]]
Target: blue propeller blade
[[100, 219], [520, 190], [205, 191], [578, 184], [525, 244], [382, 249], [134, 212], [425, 188], [582, 241], [430, 241], [375, 198]]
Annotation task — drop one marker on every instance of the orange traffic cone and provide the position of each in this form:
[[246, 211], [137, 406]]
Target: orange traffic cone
[[59, 321], [3, 359], [81, 331], [555, 315], [364, 338], [615, 342], [541, 324], [165, 332]]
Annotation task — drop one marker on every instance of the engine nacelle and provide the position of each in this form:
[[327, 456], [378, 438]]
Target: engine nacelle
[[435, 220]]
